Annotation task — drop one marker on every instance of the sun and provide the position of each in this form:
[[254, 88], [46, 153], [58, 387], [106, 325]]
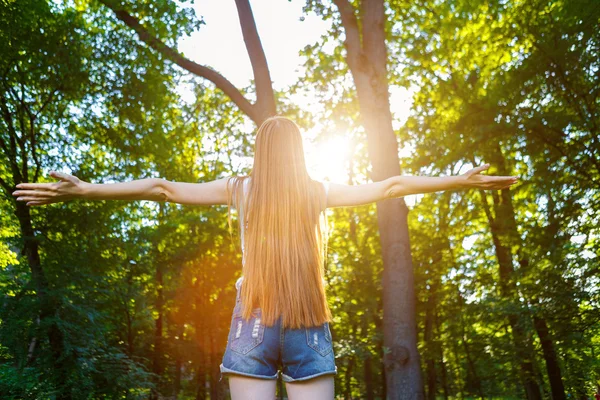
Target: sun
[[328, 159]]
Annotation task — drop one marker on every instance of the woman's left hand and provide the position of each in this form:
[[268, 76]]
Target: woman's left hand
[[474, 179]]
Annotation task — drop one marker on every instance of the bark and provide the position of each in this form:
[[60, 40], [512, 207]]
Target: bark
[[368, 65]]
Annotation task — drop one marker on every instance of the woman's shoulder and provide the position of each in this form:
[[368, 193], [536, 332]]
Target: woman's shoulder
[[234, 185]]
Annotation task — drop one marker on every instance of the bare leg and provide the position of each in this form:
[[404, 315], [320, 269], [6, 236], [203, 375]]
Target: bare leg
[[246, 388], [319, 388]]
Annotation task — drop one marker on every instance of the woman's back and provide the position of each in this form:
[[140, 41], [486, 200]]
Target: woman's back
[[244, 223], [282, 247]]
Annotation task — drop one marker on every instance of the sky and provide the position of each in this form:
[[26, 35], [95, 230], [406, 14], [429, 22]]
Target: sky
[[219, 44]]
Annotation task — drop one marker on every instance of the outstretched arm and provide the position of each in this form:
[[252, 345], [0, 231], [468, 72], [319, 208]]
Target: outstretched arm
[[70, 187], [399, 186]]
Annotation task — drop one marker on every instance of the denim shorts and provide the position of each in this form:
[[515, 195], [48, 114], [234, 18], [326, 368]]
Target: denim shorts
[[258, 351]]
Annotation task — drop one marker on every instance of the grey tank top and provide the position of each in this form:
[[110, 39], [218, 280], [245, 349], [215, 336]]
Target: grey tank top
[[245, 224]]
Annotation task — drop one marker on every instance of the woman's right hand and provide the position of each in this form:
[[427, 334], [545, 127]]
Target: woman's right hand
[[35, 194]]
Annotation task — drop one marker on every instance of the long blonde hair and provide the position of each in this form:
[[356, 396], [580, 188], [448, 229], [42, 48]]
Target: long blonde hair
[[284, 242]]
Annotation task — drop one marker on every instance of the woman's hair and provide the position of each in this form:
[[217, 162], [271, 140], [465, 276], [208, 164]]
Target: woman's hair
[[284, 242]]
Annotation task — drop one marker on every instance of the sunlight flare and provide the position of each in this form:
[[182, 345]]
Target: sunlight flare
[[328, 159]]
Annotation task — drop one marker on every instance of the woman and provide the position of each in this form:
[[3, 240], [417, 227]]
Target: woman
[[280, 323]]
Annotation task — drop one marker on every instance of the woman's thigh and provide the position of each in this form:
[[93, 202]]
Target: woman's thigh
[[318, 388], [244, 388]]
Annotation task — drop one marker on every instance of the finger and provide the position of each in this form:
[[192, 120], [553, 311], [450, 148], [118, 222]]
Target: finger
[[37, 203], [31, 193], [34, 186], [506, 186], [62, 176], [503, 178], [35, 198], [480, 169], [56, 174], [499, 179]]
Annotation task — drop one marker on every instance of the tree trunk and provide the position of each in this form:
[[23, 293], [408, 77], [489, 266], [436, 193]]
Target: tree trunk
[[504, 235], [47, 303], [552, 366], [368, 65]]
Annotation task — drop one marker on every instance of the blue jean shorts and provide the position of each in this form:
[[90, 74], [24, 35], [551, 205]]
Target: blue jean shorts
[[258, 351]]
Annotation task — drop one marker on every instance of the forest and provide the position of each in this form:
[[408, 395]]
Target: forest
[[451, 295]]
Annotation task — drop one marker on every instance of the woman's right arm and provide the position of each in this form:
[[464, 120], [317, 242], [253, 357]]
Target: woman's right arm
[[70, 187], [155, 189], [399, 186]]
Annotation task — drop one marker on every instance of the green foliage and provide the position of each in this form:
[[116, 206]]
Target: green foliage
[[141, 293]]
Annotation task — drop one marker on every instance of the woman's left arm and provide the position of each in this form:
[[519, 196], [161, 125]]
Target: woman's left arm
[[70, 187]]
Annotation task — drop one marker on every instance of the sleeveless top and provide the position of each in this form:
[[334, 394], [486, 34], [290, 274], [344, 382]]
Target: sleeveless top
[[245, 225]]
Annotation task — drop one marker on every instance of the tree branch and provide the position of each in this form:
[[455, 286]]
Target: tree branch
[[33, 142], [350, 25], [265, 99], [12, 153], [200, 70]]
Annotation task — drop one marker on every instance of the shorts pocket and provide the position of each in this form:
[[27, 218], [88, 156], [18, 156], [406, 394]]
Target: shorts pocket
[[246, 334], [318, 338]]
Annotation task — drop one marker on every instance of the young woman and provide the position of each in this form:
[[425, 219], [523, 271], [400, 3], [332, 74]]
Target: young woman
[[280, 322]]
